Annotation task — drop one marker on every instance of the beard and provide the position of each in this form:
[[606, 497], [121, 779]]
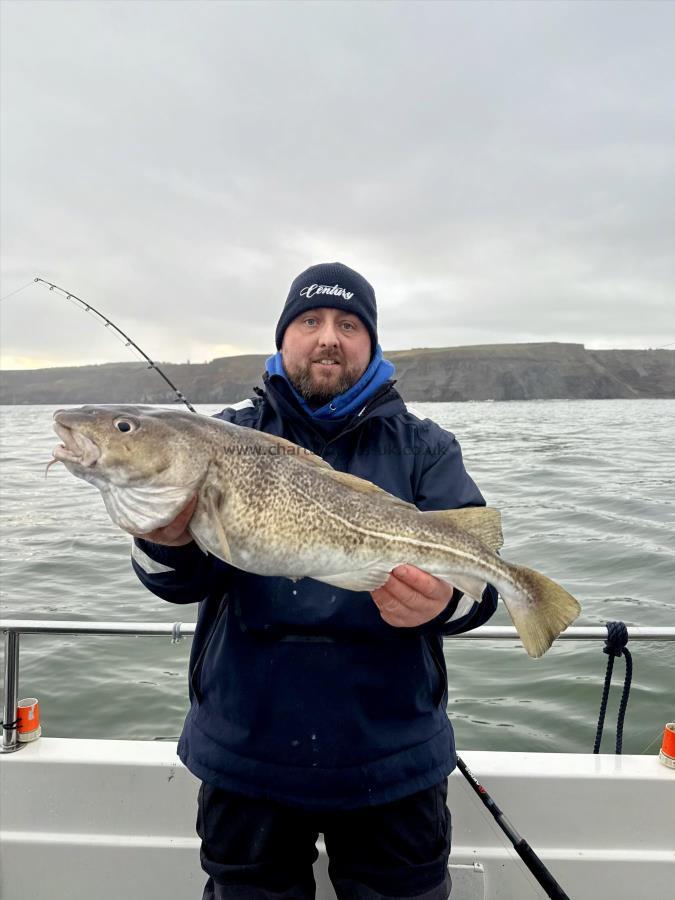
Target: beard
[[313, 390]]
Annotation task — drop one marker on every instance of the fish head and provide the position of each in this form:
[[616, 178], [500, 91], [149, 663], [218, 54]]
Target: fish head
[[123, 444], [145, 461]]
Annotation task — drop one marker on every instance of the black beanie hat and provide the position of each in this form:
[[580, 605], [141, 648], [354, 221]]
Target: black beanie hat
[[335, 286]]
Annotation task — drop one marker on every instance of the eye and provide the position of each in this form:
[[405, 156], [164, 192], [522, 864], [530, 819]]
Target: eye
[[124, 425], [310, 320], [348, 326]]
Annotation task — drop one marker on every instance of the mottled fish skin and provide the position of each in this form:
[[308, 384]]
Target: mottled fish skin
[[271, 507]]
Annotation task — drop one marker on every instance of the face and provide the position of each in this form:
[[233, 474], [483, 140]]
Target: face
[[325, 351]]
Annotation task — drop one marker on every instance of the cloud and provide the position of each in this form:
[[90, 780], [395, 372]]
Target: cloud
[[499, 171]]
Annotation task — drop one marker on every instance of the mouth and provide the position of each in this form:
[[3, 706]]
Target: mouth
[[76, 448], [326, 363]]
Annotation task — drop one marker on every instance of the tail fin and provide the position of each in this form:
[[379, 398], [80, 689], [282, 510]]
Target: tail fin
[[547, 611]]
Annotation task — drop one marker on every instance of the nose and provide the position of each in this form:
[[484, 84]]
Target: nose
[[328, 335]]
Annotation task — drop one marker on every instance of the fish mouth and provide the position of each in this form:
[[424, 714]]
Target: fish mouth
[[75, 449]]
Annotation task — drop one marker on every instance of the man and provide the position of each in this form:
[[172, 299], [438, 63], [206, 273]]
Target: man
[[315, 709]]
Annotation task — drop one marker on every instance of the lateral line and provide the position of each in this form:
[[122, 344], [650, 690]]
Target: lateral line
[[462, 553]]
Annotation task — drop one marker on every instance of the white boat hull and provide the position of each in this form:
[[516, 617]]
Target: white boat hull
[[100, 820]]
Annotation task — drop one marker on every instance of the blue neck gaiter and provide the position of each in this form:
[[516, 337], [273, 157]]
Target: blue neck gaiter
[[378, 372]]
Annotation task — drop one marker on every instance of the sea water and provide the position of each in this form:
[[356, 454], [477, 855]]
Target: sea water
[[587, 494]]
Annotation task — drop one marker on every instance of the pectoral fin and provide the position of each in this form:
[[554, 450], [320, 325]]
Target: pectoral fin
[[214, 503]]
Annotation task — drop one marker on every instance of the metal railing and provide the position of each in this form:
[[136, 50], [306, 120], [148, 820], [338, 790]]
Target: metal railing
[[13, 628]]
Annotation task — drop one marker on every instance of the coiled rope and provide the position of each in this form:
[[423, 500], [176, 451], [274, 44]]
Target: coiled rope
[[615, 645]]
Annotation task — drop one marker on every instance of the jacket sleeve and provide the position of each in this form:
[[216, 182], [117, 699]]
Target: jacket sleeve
[[444, 483], [177, 574]]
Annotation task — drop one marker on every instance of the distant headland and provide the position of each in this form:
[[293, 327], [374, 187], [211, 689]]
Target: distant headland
[[545, 371]]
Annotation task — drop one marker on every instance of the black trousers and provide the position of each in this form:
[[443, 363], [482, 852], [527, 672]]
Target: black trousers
[[261, 850]]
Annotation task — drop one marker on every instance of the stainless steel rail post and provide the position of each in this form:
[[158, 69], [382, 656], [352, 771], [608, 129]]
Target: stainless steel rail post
[[10, 741]]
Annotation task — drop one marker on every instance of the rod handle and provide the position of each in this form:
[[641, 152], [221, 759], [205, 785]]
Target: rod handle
[[539, 870]]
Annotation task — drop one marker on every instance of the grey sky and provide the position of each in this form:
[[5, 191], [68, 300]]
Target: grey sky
[[499, 171]]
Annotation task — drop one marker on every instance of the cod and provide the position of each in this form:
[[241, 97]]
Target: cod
[[268, 506]]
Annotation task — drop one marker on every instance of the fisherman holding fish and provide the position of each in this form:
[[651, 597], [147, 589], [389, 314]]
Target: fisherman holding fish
[[331, 542]]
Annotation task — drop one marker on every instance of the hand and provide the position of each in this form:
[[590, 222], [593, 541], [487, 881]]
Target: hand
[[175, 534], [411, 597]]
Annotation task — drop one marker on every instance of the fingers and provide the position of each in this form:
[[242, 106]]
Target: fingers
[[407, 583], [182, 520], [390, 608], [175, 534], [411, 597]]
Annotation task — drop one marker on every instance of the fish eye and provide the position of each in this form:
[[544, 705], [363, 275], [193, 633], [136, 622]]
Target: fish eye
[[124, 425]]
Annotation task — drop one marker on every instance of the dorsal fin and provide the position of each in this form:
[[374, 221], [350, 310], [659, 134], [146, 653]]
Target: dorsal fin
[[366, 487], [482, 522], [350, 481], [288, 448]]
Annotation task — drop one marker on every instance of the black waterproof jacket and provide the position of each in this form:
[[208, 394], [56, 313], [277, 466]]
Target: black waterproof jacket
[[300, 691]]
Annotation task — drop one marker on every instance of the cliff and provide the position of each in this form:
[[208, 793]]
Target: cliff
[[489, 372]]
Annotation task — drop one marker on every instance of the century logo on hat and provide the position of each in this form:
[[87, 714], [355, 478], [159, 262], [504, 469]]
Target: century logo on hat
[[332, 285], [335, 291]]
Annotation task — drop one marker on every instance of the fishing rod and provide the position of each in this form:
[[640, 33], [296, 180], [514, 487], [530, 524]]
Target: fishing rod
[[128, 342], [520, 845]]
